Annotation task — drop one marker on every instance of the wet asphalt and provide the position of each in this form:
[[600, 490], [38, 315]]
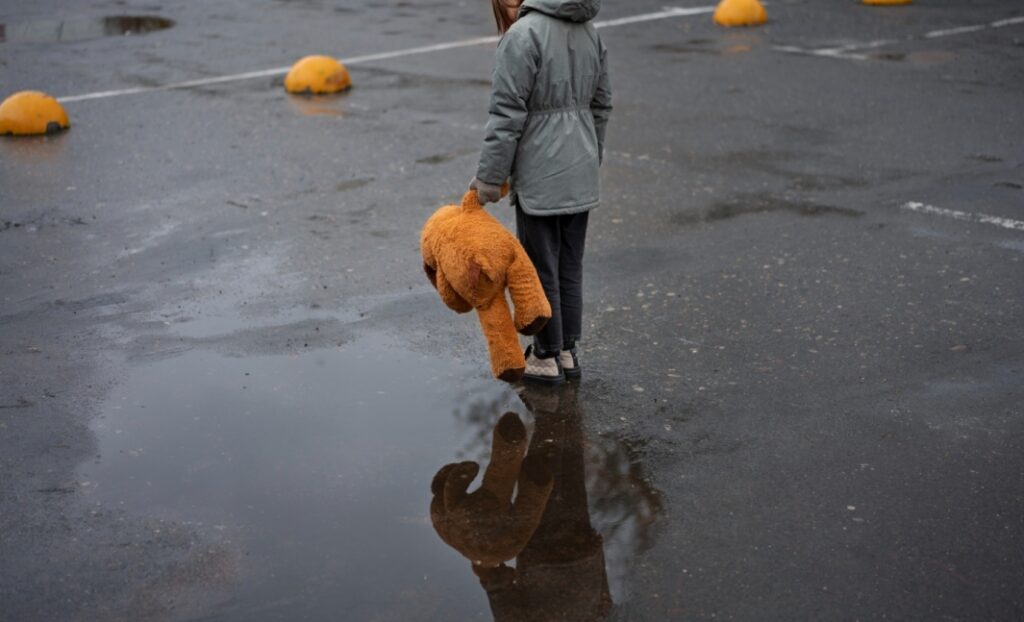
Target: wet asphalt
[[226, 385]]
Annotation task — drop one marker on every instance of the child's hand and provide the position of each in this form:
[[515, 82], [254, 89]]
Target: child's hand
[[485, 192]]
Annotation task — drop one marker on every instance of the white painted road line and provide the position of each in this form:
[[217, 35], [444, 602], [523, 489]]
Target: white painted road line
[[278, 71], [667, 13], [1006, 223], [845, 51], [851, 51], [648, 17], [962, 30], [1012, 21]]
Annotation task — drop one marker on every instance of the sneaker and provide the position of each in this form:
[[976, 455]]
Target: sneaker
[[547, 371], [570, 363], [541, 399]]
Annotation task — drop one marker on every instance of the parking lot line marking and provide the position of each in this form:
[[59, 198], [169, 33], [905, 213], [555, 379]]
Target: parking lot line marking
[[425, 49], [844, 51], [1006, 223], [648, 17], [955, 31], [1008, 22], [265, 73], [666, 13], [851, 51]]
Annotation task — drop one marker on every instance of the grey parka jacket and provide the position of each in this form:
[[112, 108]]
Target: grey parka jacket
[[550, 103]]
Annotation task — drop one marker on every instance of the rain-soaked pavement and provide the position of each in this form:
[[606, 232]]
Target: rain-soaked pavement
[[227, 392], [305, 470]]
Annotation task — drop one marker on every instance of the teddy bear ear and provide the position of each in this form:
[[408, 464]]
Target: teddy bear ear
[[478, 265], [470, 201]]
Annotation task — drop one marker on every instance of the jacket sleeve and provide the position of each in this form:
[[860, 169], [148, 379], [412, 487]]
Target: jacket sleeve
[[514, 73], [601, 105]]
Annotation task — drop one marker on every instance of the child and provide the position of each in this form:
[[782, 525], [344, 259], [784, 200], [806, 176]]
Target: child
[[550, 103]]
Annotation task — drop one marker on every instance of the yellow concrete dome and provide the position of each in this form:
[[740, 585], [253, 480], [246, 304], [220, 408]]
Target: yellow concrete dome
[[31, 112], [317, 75]]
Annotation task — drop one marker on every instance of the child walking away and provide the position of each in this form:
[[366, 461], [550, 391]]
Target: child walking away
[[550, 104]]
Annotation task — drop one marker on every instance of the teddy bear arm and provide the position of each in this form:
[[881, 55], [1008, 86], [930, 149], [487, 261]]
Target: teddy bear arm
[[531, 303], [429, 258], [431, 273], [507, 451], [451, 298], [439, 518]]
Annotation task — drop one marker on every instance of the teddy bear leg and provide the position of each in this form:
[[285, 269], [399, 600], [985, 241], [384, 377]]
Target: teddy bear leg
[[532, 308], [507, 361], [535, 485]]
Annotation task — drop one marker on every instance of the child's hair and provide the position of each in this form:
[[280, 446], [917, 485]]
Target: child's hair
[[501, 13]]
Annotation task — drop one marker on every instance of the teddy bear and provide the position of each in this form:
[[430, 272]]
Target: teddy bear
[[485, 526], [471, 258], [559, 570]]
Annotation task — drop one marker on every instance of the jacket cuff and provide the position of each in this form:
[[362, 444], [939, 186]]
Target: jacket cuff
[[488, 177]]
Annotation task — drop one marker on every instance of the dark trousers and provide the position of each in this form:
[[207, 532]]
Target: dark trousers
[[555, 245]]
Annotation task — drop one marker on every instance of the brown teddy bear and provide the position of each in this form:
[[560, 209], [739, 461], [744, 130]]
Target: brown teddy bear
[[471, 258], [486, 526], [559, 571]]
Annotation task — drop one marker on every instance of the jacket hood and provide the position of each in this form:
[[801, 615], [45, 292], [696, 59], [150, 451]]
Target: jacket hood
[[569, 10]]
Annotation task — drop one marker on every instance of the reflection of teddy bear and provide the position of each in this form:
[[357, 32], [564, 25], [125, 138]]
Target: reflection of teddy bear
[[470, 258], [485, 526], [559, 573]]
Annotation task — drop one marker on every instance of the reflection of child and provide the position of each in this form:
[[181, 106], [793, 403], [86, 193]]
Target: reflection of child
[[550, 104], [560, 573]]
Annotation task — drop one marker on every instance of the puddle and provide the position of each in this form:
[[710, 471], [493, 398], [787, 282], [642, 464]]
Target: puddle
[[1013, 245], [317, 105], [920, 57], [441, 158], [53, 31], [699, 46], [33, 152], [726, 210], [683, 48], [49, 219], [984, 157], [317, 468], [219, 323], [354, 184], [729, 45], [929, 233]]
